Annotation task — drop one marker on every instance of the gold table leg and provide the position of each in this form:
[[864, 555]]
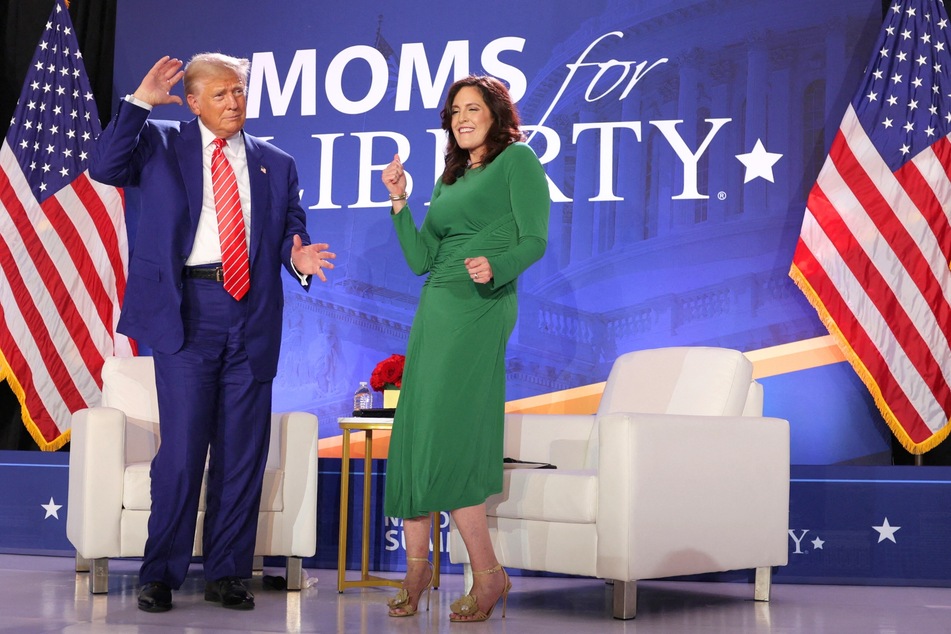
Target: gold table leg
[[366, 579], [437, 546], [344, 493], [365, 541]]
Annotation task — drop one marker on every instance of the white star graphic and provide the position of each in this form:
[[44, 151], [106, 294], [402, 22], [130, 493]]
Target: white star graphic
[[759, 163], [886, 531], [817, 543], [52, 509]]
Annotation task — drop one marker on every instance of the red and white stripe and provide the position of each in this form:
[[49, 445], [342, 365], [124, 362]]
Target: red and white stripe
[[873, 258], [231, 233], [62, 274]]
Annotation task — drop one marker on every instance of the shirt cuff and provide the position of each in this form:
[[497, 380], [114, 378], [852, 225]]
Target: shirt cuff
[[138, 102], [304, 279]]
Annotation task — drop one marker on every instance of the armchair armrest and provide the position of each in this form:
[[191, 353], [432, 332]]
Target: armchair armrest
[[558, 439], [96, 466], [691, 494], [299, 461]]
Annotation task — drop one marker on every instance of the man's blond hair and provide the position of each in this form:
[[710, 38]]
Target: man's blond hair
[[205, 65]]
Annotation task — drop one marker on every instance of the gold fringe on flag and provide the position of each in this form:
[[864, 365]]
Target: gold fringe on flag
[[890, 419], [6, 374]]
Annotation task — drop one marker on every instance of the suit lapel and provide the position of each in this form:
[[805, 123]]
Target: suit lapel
[[188, 150], [260, 191]]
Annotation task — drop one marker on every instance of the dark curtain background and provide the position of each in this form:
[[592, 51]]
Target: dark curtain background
[[22, 22]]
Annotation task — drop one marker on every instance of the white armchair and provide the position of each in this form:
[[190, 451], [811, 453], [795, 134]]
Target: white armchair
[[109, 499], [677, 474]]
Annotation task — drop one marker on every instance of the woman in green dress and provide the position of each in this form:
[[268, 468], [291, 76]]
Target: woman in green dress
[[487, 222]]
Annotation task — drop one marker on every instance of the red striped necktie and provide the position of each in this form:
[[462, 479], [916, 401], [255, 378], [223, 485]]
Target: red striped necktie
[[234, 248]]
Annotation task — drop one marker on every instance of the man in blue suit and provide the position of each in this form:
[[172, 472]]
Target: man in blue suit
[[215, 350]]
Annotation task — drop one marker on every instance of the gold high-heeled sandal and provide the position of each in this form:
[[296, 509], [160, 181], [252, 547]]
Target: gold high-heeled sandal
[[401, 600], [468, 606]]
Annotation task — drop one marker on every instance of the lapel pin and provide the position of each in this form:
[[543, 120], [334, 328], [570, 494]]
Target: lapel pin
[[263, 170]]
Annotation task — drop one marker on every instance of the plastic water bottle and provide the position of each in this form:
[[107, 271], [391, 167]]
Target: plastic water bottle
[[362, 398]]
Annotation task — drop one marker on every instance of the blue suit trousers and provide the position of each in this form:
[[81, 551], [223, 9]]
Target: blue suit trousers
[[210, 405]]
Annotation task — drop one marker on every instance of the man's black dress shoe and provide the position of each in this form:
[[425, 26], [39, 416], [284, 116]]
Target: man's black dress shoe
[[229, 592], [155, 596]]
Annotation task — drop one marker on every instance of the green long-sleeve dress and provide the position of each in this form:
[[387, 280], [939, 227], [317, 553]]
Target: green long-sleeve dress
[[446, 447]]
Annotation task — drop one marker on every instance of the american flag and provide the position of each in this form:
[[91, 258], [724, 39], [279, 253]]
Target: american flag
[[63, 245], [874, 249]]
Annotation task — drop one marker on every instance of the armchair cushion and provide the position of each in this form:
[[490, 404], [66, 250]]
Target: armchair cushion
[[551, 495], [135, 487]]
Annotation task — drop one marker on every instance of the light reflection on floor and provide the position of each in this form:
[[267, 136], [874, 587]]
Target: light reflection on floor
[[44, 594]]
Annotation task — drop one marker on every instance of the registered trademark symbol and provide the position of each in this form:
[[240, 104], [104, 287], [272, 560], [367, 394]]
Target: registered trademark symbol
[[721, 196]]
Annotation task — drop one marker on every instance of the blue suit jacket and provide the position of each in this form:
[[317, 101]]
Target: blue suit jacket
[[163, 159]]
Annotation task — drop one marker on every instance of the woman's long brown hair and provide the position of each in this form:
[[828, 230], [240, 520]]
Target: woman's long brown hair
[[503, 132]]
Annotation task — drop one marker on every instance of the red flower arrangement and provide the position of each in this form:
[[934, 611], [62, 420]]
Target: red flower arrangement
[[388, 373]]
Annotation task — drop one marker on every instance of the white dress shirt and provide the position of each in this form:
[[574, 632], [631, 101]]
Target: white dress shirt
[[207, 246]]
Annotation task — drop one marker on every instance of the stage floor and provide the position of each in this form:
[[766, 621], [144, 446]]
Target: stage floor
[[44, 594]]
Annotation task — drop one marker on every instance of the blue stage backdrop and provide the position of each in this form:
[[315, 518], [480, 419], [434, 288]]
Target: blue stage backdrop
[[680, 140]]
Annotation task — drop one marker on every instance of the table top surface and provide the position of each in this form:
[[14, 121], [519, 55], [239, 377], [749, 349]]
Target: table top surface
[[364, 423]]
